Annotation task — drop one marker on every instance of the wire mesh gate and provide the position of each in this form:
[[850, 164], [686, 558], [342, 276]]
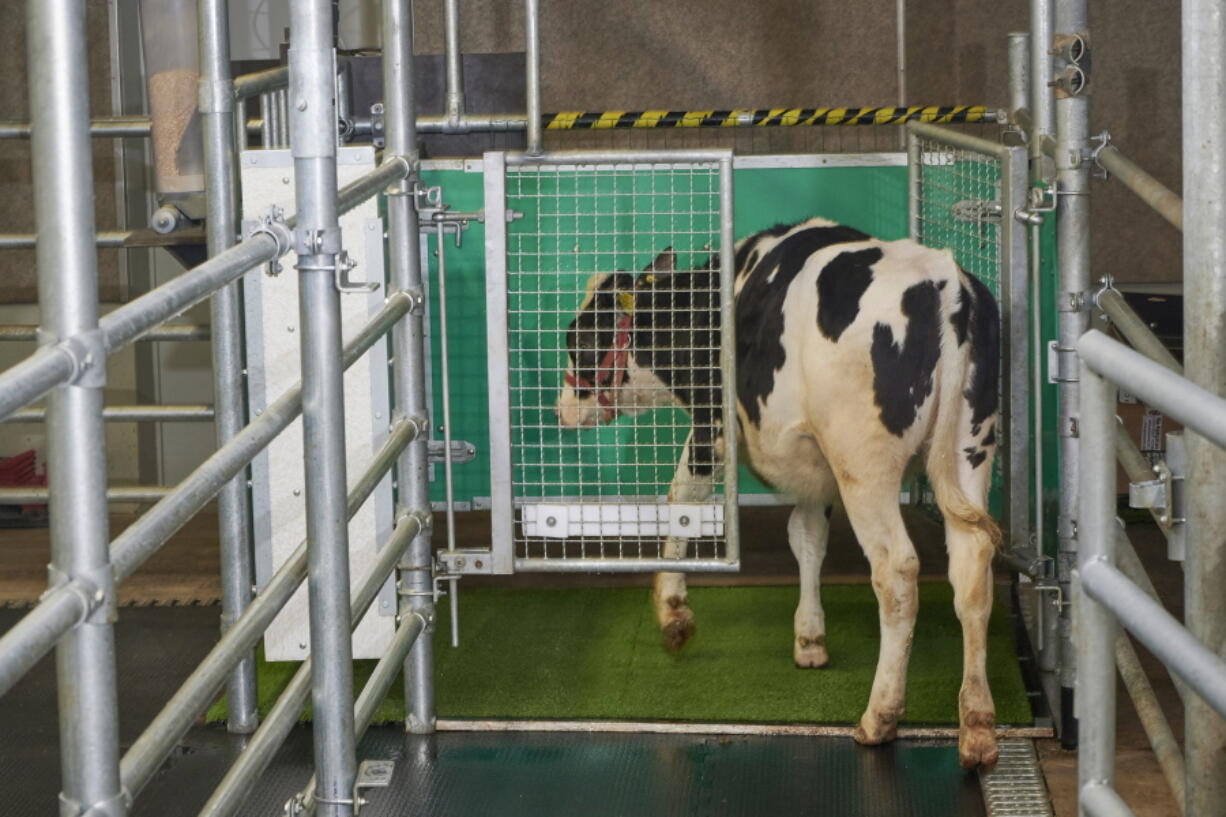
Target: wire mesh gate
[[963, 195], [642, 243]]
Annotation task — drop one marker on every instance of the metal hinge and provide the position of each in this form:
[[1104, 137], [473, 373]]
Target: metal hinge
[[461, 451], [466, 562]]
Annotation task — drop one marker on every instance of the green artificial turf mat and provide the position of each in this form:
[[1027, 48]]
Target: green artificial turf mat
[[588, 653]]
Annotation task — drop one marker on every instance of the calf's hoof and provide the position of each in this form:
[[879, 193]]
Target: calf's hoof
[[876, 728], [810, 653], [977, 741], [678, 629]]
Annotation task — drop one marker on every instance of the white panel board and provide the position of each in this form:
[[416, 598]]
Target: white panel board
[[273, 332]]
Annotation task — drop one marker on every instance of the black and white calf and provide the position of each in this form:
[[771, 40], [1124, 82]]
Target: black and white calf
[[854, 356]]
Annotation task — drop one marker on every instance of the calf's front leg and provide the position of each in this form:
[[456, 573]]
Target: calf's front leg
[[668, 597]]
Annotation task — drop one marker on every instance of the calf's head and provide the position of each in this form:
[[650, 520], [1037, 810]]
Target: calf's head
[[597, 352], [600, 365]]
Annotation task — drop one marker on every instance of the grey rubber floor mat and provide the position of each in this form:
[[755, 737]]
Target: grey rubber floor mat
[[454, 774]]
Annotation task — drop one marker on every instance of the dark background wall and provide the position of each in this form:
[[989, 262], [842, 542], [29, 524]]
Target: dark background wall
[[634, 54], [17, 267]]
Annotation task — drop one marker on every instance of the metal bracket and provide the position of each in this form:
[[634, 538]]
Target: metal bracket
[[345, 265], [1093, 153], [1177, 466], [464, 562], [461, 451], [87, 351], [340, 268], [372, 774], [272, 224], [1154, 494], [1054, 373], [376, 125], [317, 240], [1108, 285]]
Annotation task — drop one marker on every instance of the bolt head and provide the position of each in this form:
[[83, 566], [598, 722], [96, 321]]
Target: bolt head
[[479, 564], [302, 105], [551, 521], [685, 521]]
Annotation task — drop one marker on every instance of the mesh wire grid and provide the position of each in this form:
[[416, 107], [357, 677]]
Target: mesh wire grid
[[579, 223], [958, 208]]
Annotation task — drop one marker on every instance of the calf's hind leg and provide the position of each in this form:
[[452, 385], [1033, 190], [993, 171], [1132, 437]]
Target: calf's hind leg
[[873, 510], [808, 533], [668, 598]]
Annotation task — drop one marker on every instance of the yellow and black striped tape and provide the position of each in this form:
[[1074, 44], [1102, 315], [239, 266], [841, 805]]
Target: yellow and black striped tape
[[765, 118]]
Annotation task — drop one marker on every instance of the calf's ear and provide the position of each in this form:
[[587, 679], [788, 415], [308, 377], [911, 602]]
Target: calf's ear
[[665, 262]]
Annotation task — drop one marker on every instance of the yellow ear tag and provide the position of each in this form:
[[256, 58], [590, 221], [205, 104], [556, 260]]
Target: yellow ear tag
[[626, 300], [651, 279]]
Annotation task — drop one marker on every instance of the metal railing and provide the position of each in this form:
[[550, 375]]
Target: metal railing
[[1107, 596], [69, 369]]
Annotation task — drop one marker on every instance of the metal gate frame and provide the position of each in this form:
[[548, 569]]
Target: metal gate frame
[[502, 501], [1014, 297]]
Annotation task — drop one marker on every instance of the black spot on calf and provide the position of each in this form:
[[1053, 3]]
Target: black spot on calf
[[962, 315], [984, 323], [839, 287], [759, 310], [975, 456], [902, 375]]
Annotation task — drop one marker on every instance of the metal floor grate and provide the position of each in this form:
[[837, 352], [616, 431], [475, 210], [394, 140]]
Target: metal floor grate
[[1015, 788]]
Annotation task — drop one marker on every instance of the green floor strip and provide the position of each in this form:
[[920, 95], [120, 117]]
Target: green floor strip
[[565, 654]]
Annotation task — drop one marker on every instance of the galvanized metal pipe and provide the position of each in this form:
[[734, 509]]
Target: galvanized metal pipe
[[146, 755], [454, 109], [146, 535], [128, 414], [1159, 631], [107, 239], [29, 332], [1100, 800], [113, 127], [532, 37], [128, 322], [1153, 720], [237, 556], [377, 685], [34, 377], [1135, 330], [25, 643], [404, 271], [231, 793], [1073, 310], [1157, 386], [1042, 102], [260, 82], [1204, 315], [114, 494], [317, 241], [1098, 628], [1019, 70], [76, 452], [1151, 191]]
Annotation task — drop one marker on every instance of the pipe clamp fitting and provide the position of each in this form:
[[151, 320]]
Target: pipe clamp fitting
[[87, 351], [272, 224], [215, 96], [317, 240]]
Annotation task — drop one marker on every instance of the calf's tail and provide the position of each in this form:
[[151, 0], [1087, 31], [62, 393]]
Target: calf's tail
[[954, 414]]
